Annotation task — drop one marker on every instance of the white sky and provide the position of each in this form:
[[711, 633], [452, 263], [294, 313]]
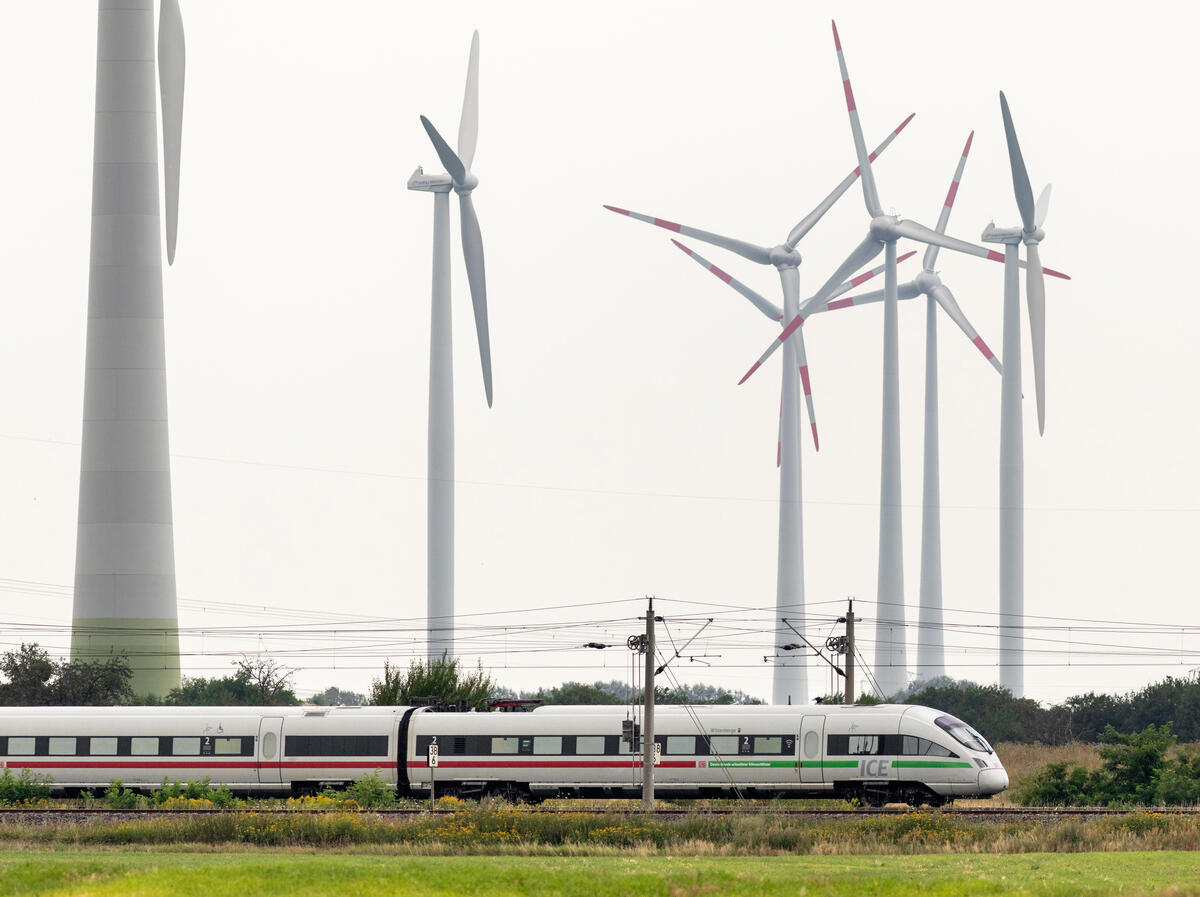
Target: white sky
[[620, 458]]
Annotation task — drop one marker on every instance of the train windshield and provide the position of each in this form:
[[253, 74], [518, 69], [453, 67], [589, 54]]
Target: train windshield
[[963, 734]]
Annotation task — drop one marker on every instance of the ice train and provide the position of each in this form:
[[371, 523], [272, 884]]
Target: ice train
[[877, 754]]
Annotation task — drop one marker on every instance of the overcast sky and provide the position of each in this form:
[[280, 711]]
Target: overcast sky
[[620, 459]]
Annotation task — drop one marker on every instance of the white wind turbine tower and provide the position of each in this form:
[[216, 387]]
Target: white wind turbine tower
[[441, 368], [125, 598], [891, 655], [790, 684], [1012, 451]]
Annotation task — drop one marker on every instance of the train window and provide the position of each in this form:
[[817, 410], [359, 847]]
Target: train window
[[589, 744], [768, 744], [342, 745], [225, 746], [103, 747], [269, 741], [923, 747], [963, 734], [547, 744], [20, 747], [504, 745], [681, 744], [723, 744], [185, 747], [62, 747], [863, 744], [141, 746]]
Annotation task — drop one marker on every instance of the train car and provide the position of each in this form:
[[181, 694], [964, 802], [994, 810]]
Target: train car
[[876, 754], [249, 749]]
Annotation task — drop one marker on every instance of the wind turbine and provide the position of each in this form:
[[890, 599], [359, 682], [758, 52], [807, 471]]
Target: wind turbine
[[125, 596], [891, 656], [931, 655], [790, 682], [1012, 450], [459, 178]]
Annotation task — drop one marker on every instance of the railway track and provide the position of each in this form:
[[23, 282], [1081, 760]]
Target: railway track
[[76, 815]]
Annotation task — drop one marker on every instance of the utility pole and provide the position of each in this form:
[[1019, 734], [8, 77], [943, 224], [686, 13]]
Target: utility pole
[[648, 714], [849, 696]]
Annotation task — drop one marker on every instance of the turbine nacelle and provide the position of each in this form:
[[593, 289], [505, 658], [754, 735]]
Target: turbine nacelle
[[430, 183], [993, 234]]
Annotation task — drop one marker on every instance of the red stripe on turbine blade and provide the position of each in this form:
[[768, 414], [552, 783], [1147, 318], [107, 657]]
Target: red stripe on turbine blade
[[618, 211], [861, 278], [995, 256], [982, 347], [669, 225], [872, 157], [849, 95], [911, 115], [836, 40], [804, 380], [906, 255], [721, 274], [681, 246], [778, 454], [791, 328], [857, 170], [1054, 273], [816, 441], [746, 376], [840, 303], [950, 196], [967, 148]]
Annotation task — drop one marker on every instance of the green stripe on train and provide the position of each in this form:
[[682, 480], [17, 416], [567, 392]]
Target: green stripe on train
[[931, 764], [751, 764], [829, 764]]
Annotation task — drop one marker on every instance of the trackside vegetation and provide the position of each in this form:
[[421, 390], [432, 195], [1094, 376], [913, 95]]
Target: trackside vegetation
[[502, 830]]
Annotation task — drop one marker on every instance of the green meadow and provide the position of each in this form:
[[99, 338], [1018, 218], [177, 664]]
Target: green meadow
[[243, 874]]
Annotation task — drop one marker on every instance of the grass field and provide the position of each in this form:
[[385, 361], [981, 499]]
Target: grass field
[[101, 874]]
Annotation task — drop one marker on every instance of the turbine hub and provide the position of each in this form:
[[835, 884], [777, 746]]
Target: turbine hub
[[926, 281], [784, 257], [883, 228], [470, 182], [1032, 239]]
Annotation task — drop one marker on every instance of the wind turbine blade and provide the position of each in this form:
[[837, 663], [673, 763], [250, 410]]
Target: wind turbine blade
[[931, 252], [904, 291], [859, 279], [923, 234], [1021, 187], [748, 251], [1042, 209], [1035, 295], [171, 59], [468, 125], [772, 311], [779, 440], [1050, 272], [943, 297], [472, 244], [802, 358], [450, 161], [791, 328], [870, 194], [815, 215], [863, 253]]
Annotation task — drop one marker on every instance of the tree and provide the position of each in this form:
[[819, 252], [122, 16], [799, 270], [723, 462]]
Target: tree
[[34, 680], [255, 683], [333, 696], [29, 670], [438, 679]]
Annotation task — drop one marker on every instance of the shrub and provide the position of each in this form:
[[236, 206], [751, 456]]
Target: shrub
[[1057, 785], [372, 793], [118, 797], [194, 794], [1179, 783], [25, 788]]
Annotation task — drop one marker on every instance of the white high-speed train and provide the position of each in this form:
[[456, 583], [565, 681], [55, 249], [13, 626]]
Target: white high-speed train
[[878, 754]]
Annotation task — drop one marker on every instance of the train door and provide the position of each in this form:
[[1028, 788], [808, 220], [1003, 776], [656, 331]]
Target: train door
[[812, 737], [270, 750]]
